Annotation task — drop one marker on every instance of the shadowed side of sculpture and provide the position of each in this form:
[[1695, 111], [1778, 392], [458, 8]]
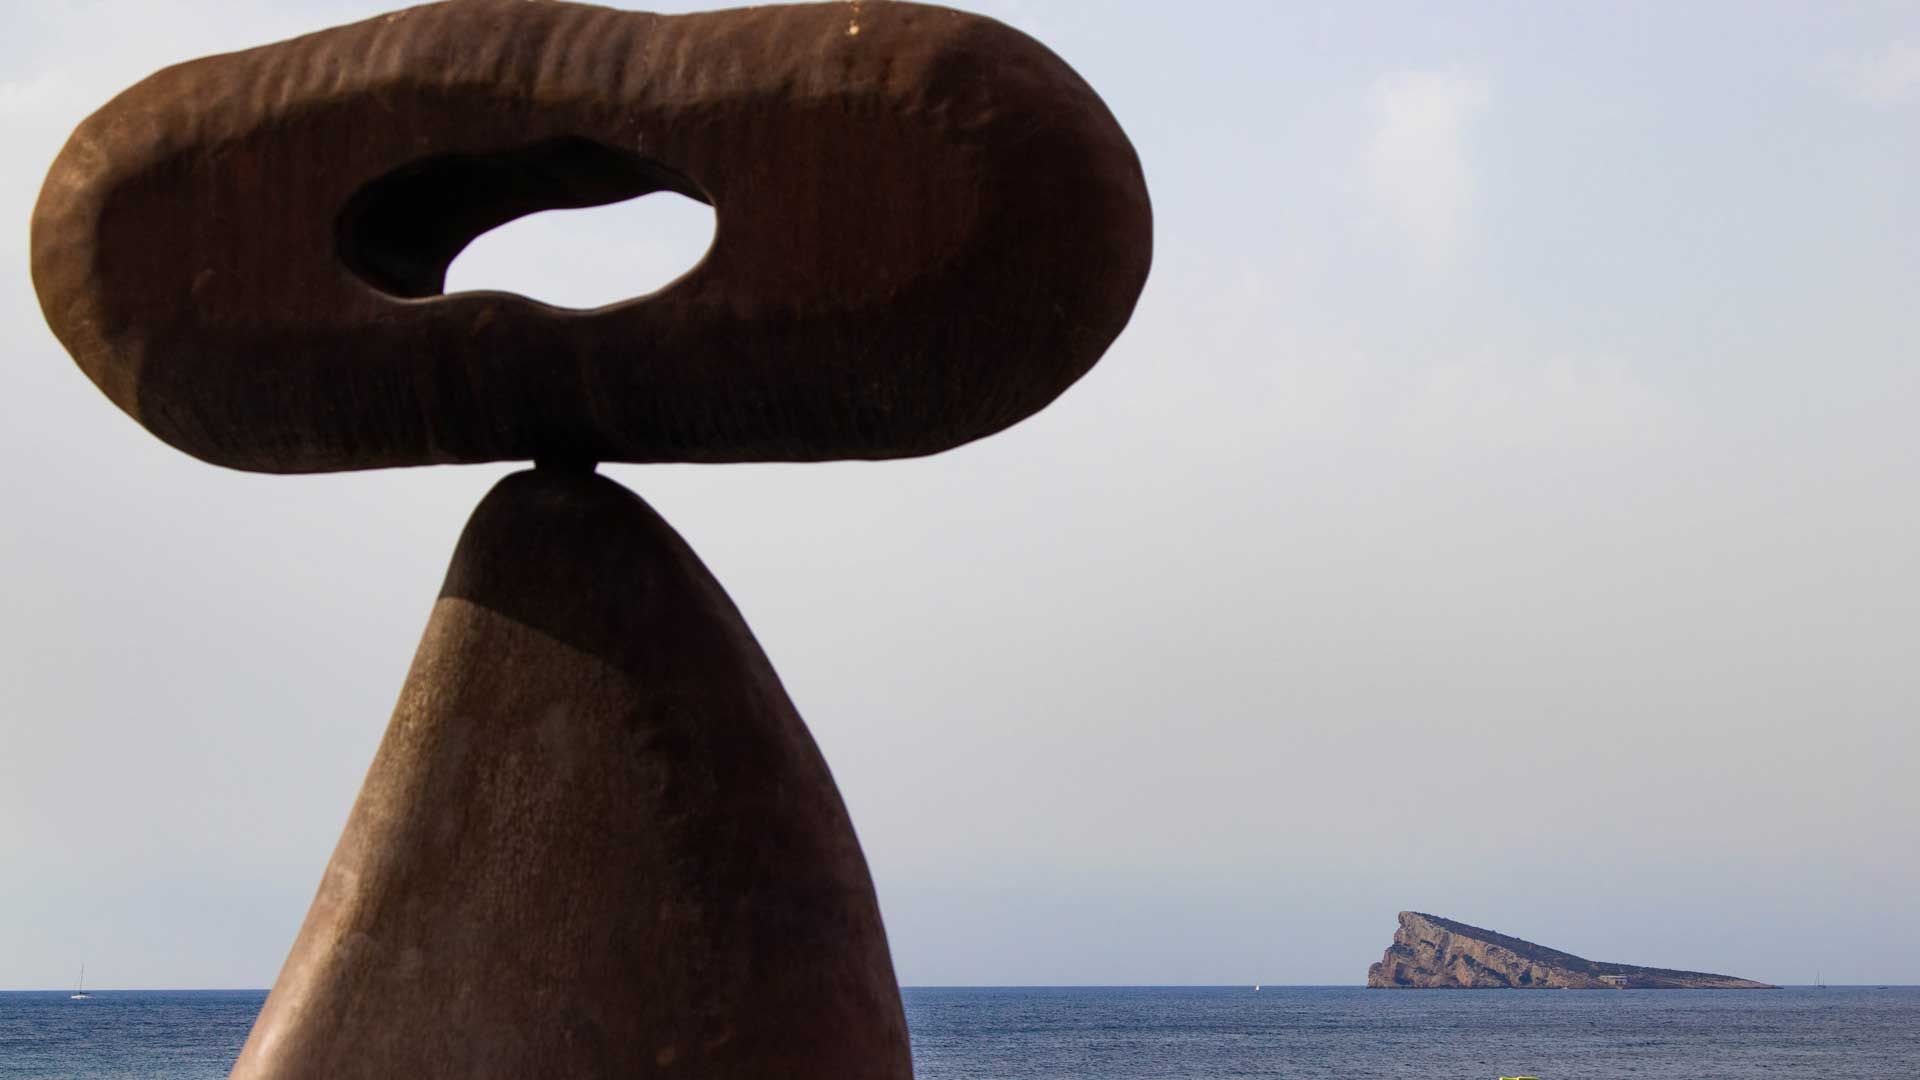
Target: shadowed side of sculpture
[[597, 839]]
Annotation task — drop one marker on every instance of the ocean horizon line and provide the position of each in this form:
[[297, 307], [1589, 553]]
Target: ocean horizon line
[[946, 986]]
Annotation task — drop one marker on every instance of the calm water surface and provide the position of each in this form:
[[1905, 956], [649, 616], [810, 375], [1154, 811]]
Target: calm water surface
[[1840, 1033]]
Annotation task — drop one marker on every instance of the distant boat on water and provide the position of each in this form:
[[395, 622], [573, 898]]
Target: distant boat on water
[[80, 991]]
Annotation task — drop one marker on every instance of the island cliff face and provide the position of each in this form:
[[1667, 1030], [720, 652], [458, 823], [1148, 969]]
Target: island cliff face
[[1430, 953]]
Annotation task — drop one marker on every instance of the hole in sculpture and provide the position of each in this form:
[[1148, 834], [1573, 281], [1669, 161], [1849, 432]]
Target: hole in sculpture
[[587, 258], [528, 208]]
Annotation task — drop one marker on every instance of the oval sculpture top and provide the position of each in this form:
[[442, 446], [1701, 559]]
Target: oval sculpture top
[[928, 226]]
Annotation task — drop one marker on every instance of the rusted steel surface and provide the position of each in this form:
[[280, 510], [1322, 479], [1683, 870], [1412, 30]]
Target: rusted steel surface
[[927, 227], [597, 841]]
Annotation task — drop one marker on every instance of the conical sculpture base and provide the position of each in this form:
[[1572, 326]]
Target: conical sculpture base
[[597, 840]]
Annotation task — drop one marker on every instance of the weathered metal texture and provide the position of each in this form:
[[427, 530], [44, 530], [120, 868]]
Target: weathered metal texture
[[928, 227], [597, 840]]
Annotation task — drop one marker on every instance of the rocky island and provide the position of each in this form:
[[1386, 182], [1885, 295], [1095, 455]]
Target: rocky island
[[1432, 953]]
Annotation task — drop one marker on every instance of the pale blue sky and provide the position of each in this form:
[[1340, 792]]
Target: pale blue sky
[[1502, 505]]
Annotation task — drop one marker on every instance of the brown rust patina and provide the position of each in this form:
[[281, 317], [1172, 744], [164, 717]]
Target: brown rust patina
[[597, 840], [926, 231]]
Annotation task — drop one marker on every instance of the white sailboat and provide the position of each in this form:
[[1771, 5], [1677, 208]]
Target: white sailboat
[[80, 992]]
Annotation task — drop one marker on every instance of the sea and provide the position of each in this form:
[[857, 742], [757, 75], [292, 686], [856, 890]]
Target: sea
[[1167, 1033]]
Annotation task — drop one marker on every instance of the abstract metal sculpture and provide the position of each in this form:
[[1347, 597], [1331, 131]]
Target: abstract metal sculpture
[[597, 839]]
